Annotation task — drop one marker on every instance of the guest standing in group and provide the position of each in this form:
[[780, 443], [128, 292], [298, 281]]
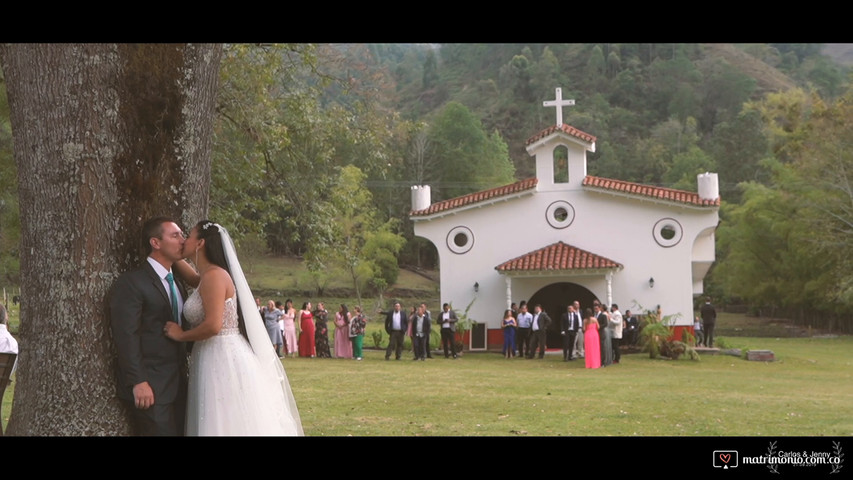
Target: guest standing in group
[[525, 322], [419, 324], [592, 358], [579, 352], [343, 345], [448, 319], [271, 317], [429, 331], [306, 335], [604, 335], [396, 326], [357, 327], [538, 332], [508, 325], [570, 324], [288, 315], [632, 327], [615, 324], [321, 331]]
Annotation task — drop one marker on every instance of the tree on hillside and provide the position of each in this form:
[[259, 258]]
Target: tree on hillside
[[105, 137], [822, 180], [469, 158], [288, 115], [350, 237]]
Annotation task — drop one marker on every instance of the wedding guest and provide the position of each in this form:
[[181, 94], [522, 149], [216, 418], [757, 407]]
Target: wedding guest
[[396, 326], [321, 332], [8, 344], [604, 334], [697, 331], [271, 316], [615, 325], [709, 320], [429, 331], [288, 316], [525, 322], [419, 324], [579, 351], [592, 358], [632, 328], [343, 345], [306, 334], [508, 325], [357, 327]]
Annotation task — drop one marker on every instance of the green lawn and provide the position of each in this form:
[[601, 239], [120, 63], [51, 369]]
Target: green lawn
[[807, 391]]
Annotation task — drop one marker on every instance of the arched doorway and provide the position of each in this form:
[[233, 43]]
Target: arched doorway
[[555, 298]]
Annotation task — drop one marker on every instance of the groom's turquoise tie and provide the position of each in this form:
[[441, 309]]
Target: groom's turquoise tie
[[174, 295]]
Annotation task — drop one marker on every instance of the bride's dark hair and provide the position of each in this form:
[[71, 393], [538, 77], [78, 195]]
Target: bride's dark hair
[[209, 232]]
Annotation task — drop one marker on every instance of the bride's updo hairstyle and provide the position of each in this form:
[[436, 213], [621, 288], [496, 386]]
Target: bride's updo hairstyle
[[209, 232]]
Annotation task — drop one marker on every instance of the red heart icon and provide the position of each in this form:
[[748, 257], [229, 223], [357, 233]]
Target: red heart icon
[[725, 457]]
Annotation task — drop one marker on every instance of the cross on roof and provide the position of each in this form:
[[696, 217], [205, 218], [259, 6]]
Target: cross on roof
[[559, 103]]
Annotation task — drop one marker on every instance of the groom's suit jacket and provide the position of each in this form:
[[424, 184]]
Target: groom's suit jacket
[[139, 308]]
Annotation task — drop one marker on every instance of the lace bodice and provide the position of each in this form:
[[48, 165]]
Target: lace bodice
[[194, 313]]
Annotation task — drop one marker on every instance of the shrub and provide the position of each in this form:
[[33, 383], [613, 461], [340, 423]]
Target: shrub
[[377, 339], [656, 336]]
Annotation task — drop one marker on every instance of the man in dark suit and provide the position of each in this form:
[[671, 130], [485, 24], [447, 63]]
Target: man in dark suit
[[632, 327], [152, 369], [429, 330], [569, 326], [420, 328], [538, 331], [447, 321], [709, 320], [396, 324], [603, 332]]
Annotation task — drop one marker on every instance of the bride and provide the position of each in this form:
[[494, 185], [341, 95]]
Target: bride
[[237, 385]]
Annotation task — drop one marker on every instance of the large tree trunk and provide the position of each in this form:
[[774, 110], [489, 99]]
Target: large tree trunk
[[105, 136]]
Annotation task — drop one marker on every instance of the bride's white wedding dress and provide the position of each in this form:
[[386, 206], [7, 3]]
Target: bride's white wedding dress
[[231, 391]]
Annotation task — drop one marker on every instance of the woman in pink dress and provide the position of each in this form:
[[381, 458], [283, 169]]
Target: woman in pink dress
[[592, 356], [343, 345], [290, 339], [306, 337]]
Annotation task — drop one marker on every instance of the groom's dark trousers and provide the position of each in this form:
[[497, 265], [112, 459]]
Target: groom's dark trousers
[[139, 307]]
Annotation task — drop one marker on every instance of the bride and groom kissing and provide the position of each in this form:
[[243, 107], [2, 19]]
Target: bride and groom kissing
[[234, 383]]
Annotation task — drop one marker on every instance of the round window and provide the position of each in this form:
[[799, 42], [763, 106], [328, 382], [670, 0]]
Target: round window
[[667, 232], [460, 239], [560, 214]]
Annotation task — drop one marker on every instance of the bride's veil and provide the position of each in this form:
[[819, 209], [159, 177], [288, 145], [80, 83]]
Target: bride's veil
[[255, 331]]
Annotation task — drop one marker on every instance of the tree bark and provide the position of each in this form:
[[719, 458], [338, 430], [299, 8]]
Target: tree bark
[[105, 136]]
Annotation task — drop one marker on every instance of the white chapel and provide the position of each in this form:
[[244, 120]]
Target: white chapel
[[565, 235]]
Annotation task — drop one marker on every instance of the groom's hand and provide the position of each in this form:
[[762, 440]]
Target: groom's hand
[[143, 396]]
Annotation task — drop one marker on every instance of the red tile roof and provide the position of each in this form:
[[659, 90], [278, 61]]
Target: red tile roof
[[558, 257], [669, 194], [476, 197], [561, 128]]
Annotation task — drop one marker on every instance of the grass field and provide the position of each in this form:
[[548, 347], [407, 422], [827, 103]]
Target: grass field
[[807, 391]]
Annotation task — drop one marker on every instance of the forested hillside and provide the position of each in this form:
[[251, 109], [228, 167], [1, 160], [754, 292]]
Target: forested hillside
[[306, 132]]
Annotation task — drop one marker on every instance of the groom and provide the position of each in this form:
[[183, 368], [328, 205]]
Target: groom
[[152, 369]]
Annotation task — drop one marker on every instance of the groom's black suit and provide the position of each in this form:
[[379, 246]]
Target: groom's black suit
[[139, 308]]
